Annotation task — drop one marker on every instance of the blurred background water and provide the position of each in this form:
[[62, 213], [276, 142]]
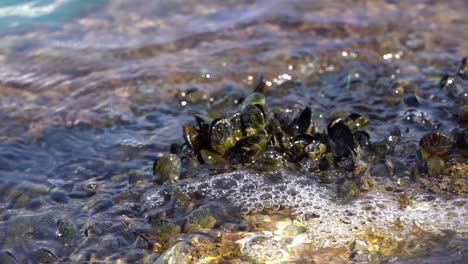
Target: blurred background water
[[90, 91], [19, 15]]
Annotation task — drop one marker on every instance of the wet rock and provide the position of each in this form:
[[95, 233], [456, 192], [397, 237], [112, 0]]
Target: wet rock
[[100, 206], [67, 230], [380, 170], [202, 218], [179, 253], [455, 87], [261, 249], [412, 101], [421, 119], [43, 256], [7, 257], [113, 243], [59, 197], [434, 166], [359, 252], [348, 190], [81, 194]]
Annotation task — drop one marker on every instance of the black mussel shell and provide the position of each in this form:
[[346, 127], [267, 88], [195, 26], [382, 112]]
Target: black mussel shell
[[204, 124], [354, 116], [260, 84], [462, 116], [303, 121], [463, 69], [461, 138], [362, 138], [436, 144], [305, 139], [175, 148], [341, 138]]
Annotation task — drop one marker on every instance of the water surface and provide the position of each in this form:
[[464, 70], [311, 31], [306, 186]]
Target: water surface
[[91, 94]]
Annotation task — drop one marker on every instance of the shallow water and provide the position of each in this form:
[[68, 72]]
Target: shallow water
[[90, 95]]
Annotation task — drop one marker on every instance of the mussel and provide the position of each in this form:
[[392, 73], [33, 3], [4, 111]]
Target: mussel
[[253, 120], [167, 168], [341, 138], [436, 144]]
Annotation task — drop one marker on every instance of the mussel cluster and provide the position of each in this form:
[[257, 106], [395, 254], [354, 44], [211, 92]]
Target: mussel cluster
[[443, 156], [266, 138]]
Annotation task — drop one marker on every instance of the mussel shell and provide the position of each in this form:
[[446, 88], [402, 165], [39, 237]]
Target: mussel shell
[[341, 138], [253, 120], [286, 113], [462, 115], [236, 125], [260, 84], [269, 158], [167, 167], [203, 122], [303, 121], [453, 85], [356, 121], [249, 145], [463, 69], [211, 158], [254, 99], [300, 143], [362, 138], [191, 137], [315, 150], [222, 135], [278, 137], [436, 144], [305, 139], [461, 138]]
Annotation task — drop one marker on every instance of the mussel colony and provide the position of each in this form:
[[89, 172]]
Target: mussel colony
[[370, 170], [306, 181]]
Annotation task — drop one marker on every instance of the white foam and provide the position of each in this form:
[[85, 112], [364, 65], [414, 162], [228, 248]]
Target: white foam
[[31, 9], [330, 223]]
